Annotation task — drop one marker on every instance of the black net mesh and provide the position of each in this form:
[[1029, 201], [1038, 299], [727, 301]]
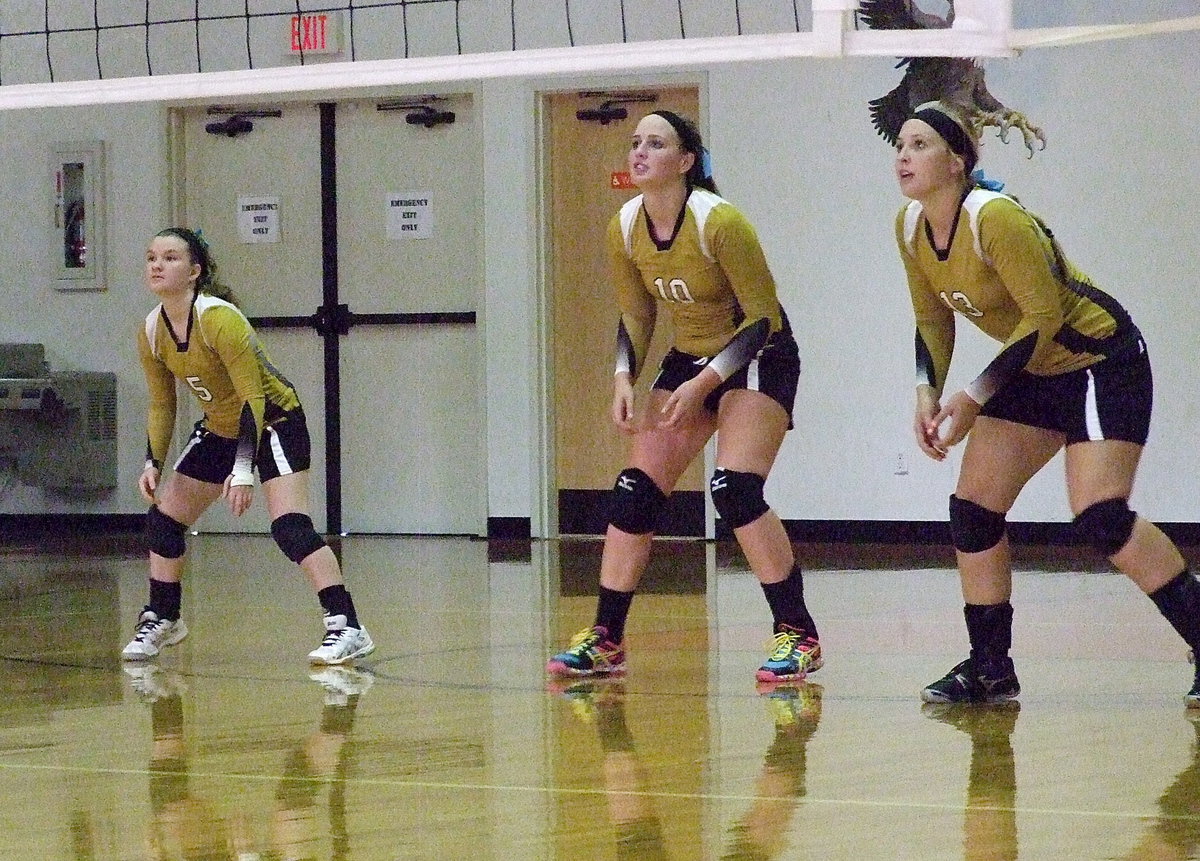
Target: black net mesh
[[48, 41]]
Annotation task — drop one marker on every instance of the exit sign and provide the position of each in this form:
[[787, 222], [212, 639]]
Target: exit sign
[[315, 33]]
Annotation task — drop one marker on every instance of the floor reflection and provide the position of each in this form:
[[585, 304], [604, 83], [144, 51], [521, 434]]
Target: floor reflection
[[990, 818], [183, 823], [765, 830], [632, 810], [447, 743], [190, 816], [1174, 834]]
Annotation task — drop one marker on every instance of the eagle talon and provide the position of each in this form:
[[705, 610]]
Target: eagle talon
[[1006, 120]]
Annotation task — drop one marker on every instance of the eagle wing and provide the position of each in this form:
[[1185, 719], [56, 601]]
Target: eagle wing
[[900, 15], [889, 112], [926, 79]]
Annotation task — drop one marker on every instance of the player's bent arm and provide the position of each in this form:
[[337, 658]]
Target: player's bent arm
[[741, 349], [740, 256], [233, 339], [160, 413]]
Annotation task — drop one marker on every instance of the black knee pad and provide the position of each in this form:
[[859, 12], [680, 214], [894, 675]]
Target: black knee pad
[[1106, 525], [295, 535], [164, 534], [738, 496], [636, 502], [974, 528]]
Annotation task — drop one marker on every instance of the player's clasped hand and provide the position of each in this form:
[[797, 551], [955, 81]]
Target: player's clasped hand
[[960, 413], [148, 483], [686, 401], [958, 416], [924, 427], [622, 405], [239, 496]]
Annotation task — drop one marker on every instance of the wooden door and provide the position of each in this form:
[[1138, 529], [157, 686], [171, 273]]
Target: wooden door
[[586, 162]]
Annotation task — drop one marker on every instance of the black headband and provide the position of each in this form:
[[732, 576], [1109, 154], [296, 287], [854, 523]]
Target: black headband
[[686, 136], [952, 133], [689, 139]]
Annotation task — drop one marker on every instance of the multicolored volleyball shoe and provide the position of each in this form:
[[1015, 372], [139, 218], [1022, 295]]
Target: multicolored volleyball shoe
[[793, 656], [590, 653]]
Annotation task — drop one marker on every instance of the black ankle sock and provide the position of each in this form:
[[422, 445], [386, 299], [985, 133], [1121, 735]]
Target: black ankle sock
[[611, 612], [1179, 602], [336, 601], [989, 627], [165, 599], [786, 600]]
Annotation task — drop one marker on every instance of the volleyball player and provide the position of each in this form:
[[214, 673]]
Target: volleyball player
[[1073, 371], [732, 370], [252, 418]]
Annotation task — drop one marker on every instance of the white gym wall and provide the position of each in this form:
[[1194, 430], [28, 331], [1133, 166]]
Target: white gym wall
[[792, 145]]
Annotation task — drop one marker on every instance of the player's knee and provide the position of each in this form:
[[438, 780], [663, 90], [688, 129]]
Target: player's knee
[[738, 496], [164, 534], [1106, 525], [636, 502], [974, 528], [295, 535]]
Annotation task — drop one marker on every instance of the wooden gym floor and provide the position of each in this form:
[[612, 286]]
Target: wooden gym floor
[[449, 742]]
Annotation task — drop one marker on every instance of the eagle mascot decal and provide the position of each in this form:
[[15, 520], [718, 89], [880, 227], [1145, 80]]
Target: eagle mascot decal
[[956, 80]]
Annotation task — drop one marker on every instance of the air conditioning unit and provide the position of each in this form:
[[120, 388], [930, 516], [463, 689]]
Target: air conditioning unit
[[59, 431]]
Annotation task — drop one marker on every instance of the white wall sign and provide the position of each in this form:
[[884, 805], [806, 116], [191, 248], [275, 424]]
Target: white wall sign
[[258, 219], [409, 215]]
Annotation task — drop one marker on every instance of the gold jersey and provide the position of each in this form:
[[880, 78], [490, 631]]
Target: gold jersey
[[711, 276], [225, 367], [1004, 272]]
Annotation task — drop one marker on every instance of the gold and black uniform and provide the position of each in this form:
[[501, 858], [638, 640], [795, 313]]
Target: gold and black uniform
[[1005, 273], [224, 365], [712, 278]]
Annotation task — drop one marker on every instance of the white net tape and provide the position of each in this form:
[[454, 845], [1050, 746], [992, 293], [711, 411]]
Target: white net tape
[[75, 52]]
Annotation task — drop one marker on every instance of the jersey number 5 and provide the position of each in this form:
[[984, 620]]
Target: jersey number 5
[[675, 290], [201, 392]]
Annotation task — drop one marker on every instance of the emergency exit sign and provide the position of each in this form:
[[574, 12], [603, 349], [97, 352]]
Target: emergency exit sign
[[315, 33]]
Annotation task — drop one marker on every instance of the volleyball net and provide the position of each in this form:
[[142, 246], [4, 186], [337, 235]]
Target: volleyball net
[[74, 52]]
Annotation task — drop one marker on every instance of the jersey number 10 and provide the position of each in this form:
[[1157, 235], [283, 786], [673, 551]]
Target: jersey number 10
[[676, 290]]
